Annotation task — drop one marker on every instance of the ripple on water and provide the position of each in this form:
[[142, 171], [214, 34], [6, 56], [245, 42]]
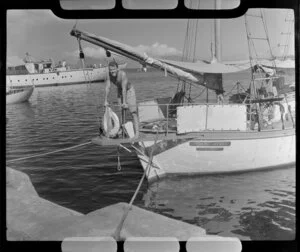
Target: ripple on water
[[257, 205]]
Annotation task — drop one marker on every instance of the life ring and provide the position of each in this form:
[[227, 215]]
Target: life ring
[[111, 123], [276, 112]]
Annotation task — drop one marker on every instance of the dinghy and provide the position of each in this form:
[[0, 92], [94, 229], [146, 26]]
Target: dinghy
[[18, 95]]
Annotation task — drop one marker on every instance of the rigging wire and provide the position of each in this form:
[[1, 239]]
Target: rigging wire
[[193, 56], [250, 54], [267, 35], [250, 40], [189, 48], [186, 46], [196, 33], [82, 57], [289, 34], [211, 27], [87, 76]]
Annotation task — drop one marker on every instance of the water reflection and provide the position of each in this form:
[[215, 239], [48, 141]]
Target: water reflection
[[25, 111], [258, 205], [250, 206]]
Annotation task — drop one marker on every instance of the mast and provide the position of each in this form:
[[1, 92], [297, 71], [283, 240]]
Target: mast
[[216, 48], [218, 32]]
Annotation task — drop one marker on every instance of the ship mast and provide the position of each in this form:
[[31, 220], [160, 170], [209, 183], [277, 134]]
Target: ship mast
[[217, 33]]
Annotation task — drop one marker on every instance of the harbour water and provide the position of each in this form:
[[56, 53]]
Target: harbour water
[[251, 206]]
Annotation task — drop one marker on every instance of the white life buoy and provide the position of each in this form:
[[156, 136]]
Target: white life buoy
[[111, 123]]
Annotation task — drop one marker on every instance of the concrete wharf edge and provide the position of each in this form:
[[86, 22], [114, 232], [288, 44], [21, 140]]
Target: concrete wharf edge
[[30, 217]]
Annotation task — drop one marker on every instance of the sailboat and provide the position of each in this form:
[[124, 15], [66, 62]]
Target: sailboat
[[180, 136]]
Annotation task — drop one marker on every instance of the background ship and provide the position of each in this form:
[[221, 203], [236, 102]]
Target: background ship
[[45, 73]]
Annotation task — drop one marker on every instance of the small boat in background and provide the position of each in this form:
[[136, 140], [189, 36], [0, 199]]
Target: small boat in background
[[18, 95]]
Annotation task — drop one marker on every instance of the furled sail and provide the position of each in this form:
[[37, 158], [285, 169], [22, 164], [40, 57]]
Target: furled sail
[[208, 75], [133, 54]]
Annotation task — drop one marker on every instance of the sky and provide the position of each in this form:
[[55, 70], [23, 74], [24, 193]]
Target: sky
[[44, 36]]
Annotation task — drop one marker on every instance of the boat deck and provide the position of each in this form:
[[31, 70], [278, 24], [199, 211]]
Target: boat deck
[[156, 133]]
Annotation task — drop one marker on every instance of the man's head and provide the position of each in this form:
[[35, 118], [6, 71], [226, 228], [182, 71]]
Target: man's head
[[113, 68]]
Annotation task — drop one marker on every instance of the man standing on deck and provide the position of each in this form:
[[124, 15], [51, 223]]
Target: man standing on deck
[[126, 92]]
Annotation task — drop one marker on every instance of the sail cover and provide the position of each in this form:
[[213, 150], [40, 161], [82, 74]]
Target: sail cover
[[203, 67], [209, 75]]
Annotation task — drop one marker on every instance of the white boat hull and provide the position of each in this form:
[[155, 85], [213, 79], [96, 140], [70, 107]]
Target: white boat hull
[[57, 78], [224, 153], [21, 96]]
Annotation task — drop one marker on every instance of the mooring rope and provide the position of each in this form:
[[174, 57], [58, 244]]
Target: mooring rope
[[117, 232], [48, 153]]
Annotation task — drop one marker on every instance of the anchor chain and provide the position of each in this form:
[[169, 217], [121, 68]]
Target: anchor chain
[[119, 167], [118, 155]]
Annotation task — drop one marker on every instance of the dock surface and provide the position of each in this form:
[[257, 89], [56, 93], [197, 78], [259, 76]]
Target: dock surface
[[30, 217]]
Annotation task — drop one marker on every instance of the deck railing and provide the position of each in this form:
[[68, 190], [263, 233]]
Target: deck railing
[[165, 115]]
